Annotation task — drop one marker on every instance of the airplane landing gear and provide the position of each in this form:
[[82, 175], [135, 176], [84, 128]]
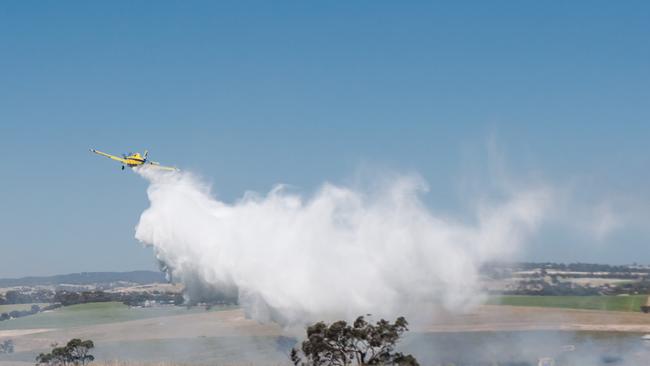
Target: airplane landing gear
[[122, 167]]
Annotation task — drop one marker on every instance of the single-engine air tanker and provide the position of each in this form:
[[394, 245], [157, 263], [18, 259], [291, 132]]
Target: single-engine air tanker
[[133, 160]]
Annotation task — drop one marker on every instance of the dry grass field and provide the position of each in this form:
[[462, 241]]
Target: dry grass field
[[526, 318], [213, 336]]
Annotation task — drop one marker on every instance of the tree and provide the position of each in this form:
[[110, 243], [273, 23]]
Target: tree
[[79, 351], [7, 346], [361, 343], [12, 297], [76, 352]]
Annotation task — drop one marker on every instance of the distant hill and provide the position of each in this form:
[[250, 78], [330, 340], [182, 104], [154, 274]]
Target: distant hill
[[87, 278]]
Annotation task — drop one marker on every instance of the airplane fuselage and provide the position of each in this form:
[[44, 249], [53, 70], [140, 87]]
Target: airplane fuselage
[[134, 160], [131, 162]]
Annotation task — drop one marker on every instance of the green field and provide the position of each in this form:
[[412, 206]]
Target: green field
[[9, 308], [612, 303], [93, 313]]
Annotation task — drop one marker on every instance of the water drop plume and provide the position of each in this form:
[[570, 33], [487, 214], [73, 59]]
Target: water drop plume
[[337, 253]]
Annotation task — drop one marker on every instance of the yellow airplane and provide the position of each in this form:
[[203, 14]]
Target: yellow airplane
[[133, 160]]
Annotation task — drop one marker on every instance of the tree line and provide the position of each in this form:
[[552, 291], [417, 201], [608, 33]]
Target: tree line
[[35, 309], [67, 298]]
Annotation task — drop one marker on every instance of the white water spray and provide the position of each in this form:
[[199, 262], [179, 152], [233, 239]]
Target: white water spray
[[337, 254]]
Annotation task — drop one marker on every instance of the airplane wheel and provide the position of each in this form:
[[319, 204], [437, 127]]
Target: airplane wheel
[[122, 167]]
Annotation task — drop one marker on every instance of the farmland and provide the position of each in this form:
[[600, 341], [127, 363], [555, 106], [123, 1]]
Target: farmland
[[610, 303], [92, 314]]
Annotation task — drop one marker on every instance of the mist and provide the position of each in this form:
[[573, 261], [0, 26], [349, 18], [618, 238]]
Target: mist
[[527, 348], [337, 253]]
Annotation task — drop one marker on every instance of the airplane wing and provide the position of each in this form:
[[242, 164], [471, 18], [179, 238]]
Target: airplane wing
[[117, 158], [157, 165]]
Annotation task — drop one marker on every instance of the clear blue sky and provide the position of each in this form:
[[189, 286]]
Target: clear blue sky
[[249, 94]]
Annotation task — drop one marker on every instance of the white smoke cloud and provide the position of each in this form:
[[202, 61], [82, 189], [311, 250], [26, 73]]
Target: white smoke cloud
[[339, 253]]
